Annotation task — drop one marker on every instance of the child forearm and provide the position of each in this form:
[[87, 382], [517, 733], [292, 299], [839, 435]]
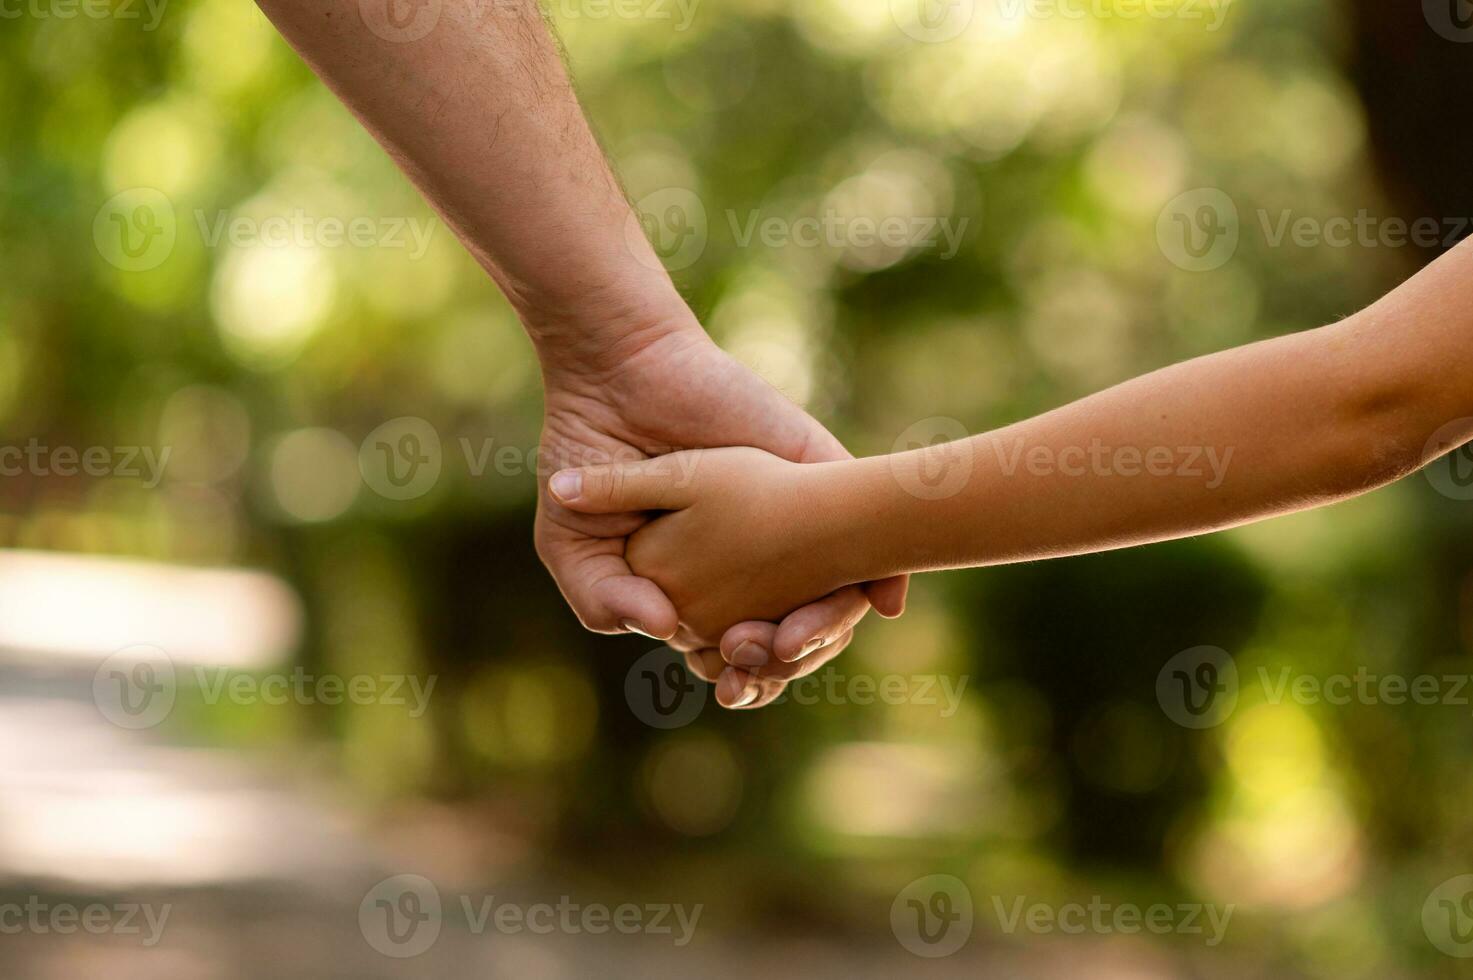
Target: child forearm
[[1219, 441]]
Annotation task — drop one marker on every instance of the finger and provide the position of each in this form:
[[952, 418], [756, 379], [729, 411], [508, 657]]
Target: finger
[[820, 623], [749, 644], [662, 483], [705, 664], [631, 604], [820, 446], [777, 669], [768, 691], [799, 669], [737, 688], [814, 661], [596, 581], [887, 596]]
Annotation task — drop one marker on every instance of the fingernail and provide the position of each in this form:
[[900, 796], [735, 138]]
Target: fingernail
[[810, 646], [732, 687], [749, 654], [635, 626], [566, 484]]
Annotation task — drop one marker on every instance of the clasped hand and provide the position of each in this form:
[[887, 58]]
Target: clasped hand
[[671, 386]]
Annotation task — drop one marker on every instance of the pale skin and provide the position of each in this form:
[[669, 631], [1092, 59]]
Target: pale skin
[[1295, 422], [481, 115]]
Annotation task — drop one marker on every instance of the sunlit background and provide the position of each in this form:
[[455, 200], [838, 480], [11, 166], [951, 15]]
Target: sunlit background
[[183, 288]]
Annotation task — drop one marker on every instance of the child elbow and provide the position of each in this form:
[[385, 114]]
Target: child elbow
[[1386, 437]]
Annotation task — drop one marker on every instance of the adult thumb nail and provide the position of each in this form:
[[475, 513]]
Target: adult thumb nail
[[566, 485]]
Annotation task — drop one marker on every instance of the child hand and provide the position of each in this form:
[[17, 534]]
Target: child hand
[[748, 536]]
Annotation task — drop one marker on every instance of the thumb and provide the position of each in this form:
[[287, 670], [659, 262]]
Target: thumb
[[662, 483], [887, 596]]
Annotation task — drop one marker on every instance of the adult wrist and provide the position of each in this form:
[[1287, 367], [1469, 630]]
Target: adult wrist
[[600, 329]]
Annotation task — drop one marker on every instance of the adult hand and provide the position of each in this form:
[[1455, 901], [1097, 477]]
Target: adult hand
[[655, 390]]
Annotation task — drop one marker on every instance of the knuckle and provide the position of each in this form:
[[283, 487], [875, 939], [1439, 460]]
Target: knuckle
[[594, 623], [613, 482]]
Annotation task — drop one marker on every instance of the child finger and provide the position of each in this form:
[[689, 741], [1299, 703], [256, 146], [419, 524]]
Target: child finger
[[653, 484]]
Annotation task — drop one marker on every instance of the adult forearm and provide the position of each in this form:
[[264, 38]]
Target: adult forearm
[[480, 113], [1215, 442]]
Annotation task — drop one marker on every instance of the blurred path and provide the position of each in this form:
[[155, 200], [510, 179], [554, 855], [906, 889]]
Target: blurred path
[[262, 880]]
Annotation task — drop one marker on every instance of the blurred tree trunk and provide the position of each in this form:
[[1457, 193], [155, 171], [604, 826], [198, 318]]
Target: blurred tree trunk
[[1414, 82]]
